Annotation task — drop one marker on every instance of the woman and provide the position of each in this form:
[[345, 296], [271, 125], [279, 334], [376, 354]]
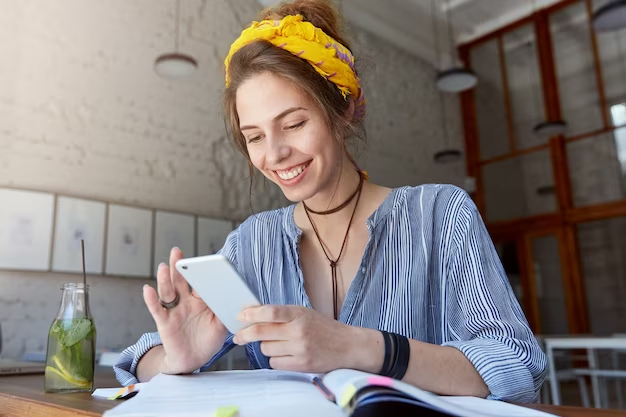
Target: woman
[[402, 282]]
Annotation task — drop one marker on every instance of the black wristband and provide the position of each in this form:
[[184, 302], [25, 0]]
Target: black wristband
[[403, 354], [397, 354], [386, 368]]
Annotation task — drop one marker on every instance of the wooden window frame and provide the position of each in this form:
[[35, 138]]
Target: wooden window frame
[[563, 222]]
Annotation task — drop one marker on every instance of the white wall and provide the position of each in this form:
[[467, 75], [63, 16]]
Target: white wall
[[84, 114]]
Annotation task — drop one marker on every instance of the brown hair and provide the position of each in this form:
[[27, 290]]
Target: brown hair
[[262, 57]]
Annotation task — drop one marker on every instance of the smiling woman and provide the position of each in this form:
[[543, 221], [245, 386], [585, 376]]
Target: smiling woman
[[401, 282], [265, 64]]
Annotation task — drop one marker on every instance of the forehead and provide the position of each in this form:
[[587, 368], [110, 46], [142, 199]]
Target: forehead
[[264, 96]]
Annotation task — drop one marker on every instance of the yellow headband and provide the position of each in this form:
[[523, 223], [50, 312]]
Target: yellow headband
[[330, 59]]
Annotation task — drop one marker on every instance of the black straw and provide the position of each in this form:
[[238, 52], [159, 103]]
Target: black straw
[[82, 244]]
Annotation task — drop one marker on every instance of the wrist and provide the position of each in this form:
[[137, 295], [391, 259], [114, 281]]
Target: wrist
[[366, 349], [150, 364]]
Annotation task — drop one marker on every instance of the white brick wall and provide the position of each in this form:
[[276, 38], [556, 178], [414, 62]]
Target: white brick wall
[[602, 246], [84, 114]]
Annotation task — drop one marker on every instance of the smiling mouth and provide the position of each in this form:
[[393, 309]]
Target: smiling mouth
[[292, 172]]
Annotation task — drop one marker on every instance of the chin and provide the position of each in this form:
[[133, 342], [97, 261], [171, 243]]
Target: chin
[[296, 196]]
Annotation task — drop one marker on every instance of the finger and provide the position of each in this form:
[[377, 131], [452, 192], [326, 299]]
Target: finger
[[276, 348], [261, 332], [150, 297], [178, 282], [165, 288], [269, 314], [287, 363]]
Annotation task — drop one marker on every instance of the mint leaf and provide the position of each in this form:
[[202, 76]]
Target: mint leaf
[[78, 331], [91, 334]]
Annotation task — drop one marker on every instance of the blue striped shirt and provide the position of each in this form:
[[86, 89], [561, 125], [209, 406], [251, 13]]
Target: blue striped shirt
[[429, 272]]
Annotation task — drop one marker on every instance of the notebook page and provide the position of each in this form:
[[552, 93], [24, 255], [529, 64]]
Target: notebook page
[[257, 393], [344, 382]]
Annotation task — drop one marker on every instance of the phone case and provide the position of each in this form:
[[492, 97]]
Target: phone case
[[221, 287]]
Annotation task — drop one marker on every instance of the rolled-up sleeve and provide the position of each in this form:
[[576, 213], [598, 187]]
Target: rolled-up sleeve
[[483, 319], [126, 365]]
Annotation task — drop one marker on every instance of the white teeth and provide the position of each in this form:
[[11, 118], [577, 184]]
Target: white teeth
[[292, 174]]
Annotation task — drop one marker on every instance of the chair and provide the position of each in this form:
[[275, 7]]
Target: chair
[[566, 375], [563, 375], [615, 357]]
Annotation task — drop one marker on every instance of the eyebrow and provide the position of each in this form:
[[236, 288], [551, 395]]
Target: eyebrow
[[280, 116]]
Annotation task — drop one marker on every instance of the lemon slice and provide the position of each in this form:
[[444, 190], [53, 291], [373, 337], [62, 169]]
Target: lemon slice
[[65, 372], [73, 381]]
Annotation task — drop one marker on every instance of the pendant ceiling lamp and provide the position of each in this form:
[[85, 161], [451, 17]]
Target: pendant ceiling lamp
[[546, 190], [455, 79], [550, 128], [175, 64], [545, 129], [610, 17], [447, 154]]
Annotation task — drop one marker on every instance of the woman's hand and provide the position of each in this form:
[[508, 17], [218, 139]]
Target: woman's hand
[[301, 339], [191, 334]]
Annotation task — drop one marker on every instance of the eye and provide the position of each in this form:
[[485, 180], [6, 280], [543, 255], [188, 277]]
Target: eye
[[255, 139], [296, 126]]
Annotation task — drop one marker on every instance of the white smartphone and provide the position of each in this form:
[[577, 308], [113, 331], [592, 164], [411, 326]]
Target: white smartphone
[[221, 287]]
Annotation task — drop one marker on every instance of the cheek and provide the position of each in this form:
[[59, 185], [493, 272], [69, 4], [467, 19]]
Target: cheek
[[330, 149], [322, 142], [257, 157]]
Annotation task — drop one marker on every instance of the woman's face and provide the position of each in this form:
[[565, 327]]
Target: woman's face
[[287, 137]]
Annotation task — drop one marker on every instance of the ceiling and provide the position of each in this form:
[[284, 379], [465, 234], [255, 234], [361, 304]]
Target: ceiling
[[408, 23]]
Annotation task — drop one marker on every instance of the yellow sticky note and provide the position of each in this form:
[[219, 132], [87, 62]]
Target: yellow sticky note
[[227, 411], [122, 392], [347, 395]]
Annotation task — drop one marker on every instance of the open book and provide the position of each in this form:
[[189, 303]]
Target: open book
[[272, 393]]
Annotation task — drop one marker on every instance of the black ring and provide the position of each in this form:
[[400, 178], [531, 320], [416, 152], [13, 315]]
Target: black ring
[[171, 304]]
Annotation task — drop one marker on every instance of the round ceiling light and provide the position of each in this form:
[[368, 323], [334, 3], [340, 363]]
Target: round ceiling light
[[447, 156], [610, 17], [550, 129], [456, 80], [175, 65], [546, 190]]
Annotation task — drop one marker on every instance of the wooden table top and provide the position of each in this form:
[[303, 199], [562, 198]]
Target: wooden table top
[[23, 396]]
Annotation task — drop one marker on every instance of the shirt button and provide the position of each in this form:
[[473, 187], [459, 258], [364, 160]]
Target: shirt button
[[363, 270]]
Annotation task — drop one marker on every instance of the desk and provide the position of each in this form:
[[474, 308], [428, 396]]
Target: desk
[[590, 344], [23, 396]]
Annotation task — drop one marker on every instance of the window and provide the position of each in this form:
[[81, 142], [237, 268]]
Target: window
[[618, 115]]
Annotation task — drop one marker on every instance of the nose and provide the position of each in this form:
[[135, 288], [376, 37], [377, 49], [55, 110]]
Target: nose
[[277, 151]]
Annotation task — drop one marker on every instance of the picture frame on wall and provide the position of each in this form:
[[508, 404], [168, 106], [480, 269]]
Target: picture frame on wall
[[212, 234], [76, 220], [129, 242], [26, 224], [173, 230]]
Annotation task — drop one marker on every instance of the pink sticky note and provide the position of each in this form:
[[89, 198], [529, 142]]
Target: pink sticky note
[[382, 381]]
